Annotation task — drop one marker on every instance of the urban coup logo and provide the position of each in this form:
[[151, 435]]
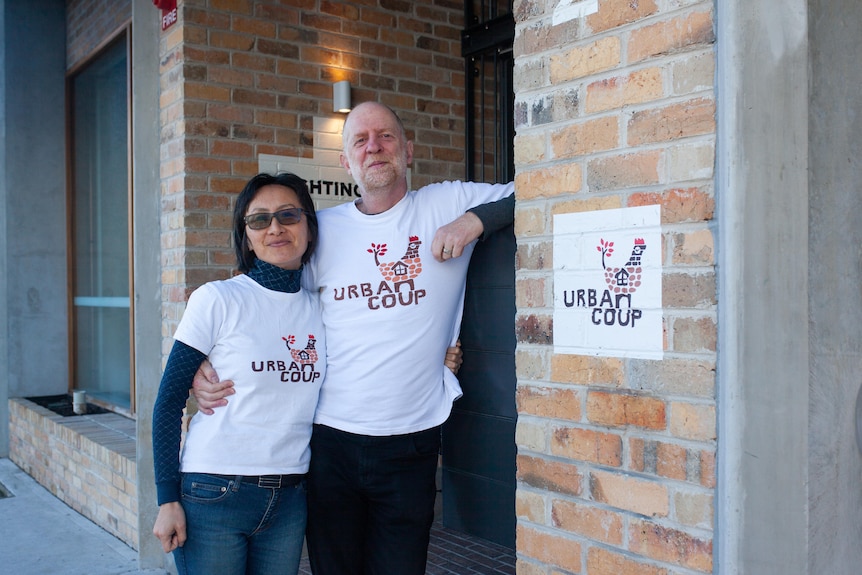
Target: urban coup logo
[[397, 286], [614, 305], [300, 366]]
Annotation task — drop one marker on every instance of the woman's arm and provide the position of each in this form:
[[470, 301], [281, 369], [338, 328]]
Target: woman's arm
[[183, 361]]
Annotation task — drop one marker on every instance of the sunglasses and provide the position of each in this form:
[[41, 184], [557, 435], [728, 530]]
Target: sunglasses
[[262, 220]]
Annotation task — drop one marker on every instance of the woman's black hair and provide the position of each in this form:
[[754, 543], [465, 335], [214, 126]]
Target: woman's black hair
[[244, 256]]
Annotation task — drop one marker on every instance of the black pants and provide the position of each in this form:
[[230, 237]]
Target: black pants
[[371, 502]]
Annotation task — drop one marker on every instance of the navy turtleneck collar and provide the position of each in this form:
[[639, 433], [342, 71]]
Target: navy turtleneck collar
[[275, 278]]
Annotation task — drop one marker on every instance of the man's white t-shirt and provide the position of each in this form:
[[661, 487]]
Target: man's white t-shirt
[[391, 310]]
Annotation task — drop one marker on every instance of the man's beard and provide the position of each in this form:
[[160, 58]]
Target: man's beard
[[382, 177]]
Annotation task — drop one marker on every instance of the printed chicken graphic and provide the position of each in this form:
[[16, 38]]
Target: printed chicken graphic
[[302, 356], [626, 279], [407, 268]]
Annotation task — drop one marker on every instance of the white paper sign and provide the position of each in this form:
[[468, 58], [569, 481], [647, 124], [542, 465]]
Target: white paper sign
[[570, 9], [607, 283]]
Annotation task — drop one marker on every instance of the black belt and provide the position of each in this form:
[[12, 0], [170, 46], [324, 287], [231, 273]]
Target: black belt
[[272, 481]]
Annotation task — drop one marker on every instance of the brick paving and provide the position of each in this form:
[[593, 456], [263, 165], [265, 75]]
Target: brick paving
[[455, 553]]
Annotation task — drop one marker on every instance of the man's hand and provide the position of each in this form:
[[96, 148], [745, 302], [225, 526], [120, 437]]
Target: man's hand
[[208, 391], [450, 240], [454, 358], [170, 527]]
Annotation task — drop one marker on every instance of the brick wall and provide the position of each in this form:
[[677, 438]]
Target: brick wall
[[247, 77], [88, 462], [616, 457]]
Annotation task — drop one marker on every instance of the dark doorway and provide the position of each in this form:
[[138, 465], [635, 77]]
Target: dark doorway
[[478, 474]]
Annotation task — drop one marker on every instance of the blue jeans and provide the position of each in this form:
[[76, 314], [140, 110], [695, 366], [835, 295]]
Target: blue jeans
[[371, 502], [235, 527]]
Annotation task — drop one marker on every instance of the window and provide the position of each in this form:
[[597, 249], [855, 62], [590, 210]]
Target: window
[[100, 260]]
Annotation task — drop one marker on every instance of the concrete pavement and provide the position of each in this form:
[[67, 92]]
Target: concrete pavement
[[41, 535]]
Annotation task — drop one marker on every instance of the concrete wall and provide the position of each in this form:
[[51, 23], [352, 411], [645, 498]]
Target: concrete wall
[[835, 282], [788, 174], [33, 194]]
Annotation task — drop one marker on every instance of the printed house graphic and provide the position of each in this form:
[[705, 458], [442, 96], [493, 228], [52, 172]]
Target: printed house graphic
[[399, 268]]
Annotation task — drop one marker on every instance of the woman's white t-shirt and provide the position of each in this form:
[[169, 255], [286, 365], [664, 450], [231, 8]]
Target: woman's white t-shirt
[[272, 345]]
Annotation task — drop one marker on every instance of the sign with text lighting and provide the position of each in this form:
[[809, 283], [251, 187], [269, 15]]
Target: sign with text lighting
[[607, 283]]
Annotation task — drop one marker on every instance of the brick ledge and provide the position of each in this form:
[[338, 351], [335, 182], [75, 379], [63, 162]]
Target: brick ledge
[[87, 461]]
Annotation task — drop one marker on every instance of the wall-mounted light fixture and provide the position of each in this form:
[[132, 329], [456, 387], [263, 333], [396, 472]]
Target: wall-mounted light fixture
[[341, 97]]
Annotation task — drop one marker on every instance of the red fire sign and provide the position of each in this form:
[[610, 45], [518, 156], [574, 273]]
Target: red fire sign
[[169, 12]]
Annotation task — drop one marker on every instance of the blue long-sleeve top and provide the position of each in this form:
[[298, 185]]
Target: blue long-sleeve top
[[183, 362], [495, 215]]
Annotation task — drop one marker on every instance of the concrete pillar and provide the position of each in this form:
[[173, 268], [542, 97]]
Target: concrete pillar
[[762, 208], [147, 264]]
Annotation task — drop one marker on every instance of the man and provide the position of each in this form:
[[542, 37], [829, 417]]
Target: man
[[390, 312]]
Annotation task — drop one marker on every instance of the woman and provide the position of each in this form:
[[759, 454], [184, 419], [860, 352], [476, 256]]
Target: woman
[[241, 473]]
